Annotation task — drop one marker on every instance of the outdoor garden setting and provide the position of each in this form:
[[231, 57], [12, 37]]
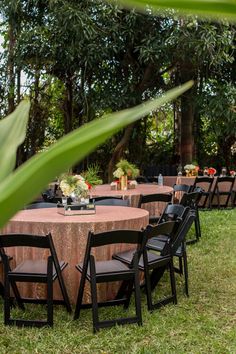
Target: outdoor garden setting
[[202, 323], [117, 176]]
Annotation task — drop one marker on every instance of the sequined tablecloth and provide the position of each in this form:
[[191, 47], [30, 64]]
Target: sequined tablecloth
[[70, 237]]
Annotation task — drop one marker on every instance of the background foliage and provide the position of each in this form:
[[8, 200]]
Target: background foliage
[[77, 60]]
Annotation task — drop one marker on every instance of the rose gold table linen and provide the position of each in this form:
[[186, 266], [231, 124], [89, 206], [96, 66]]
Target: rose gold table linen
[[134, 195], [70, 237]]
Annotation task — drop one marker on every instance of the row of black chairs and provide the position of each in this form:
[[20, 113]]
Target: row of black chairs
[[125, 266], [171, 233], [219, 194]]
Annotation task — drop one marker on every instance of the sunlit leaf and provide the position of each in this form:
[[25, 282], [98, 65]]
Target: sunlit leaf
[[12, 134], [209, 8], [32, 177]]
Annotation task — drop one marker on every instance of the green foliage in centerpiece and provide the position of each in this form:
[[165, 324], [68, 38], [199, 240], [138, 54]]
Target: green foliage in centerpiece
[[91, 175], [74, 184], [125, 168]]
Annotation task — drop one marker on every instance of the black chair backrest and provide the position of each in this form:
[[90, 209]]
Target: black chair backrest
[[113, 202], [172, 212], [96, 199], [191, 199], [229, 180], [47, 195], [40, 205], [181, 233], [113, 237], [197, 189], [182, 188], [28, 240], [25, 240], [163, 229], [169, 229], [151, 198], [207, 181], [142, 179]]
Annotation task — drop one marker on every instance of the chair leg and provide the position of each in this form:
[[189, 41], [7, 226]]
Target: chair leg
[[173, 283], [7, 301], [50, 293], [17, 295], [156, 276], [185, 273], [148, 289], [64, 291], [180, 265], [137, 293], [80, 296], [2, 290], [129, 290], [198, 223], [94, 296]]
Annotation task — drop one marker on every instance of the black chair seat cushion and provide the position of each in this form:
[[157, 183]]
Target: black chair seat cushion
[[105, 267], [157, 244], [153, 258], [35, 267]]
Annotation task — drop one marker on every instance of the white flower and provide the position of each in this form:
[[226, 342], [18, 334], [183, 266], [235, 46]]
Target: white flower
[[74, 185], [133, 183], [189, 167], [66, 188], [118, 173]]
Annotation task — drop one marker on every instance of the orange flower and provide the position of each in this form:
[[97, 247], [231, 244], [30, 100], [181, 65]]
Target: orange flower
[[211, 171]]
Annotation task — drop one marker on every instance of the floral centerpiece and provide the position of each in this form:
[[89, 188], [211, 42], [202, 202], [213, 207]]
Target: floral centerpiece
[[77, 186], [191, 170], [124, 171], [232, 173], [74, 186]]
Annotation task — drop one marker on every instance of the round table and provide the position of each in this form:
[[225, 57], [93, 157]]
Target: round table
[[70, 237], [134, 195]]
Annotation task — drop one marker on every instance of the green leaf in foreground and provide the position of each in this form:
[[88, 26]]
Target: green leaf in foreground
[[208, 8], [22, 186], [12, 134]]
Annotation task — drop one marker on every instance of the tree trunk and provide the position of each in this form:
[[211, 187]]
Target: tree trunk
[[187, 115], [119, 150], [18, 85], [68, 106], [186, 147]]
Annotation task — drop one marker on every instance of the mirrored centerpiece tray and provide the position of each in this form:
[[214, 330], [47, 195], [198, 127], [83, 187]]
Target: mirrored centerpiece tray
[[76, 209]]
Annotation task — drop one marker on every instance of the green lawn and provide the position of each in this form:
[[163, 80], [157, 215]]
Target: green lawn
[[203, 323]]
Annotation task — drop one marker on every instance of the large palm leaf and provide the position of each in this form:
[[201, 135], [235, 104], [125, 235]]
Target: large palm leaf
[[21, 186]]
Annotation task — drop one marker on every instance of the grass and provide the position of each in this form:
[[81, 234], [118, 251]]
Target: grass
[[203, 323]]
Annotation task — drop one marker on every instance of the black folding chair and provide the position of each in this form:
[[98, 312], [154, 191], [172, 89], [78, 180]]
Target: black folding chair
[[179, 191], [40, 205], [224, 188], [112, 201], [154, 263], [108, 271], [206, 183], [33, 271], [191, 200], [179, 245], [154, 198], [106, 197]]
